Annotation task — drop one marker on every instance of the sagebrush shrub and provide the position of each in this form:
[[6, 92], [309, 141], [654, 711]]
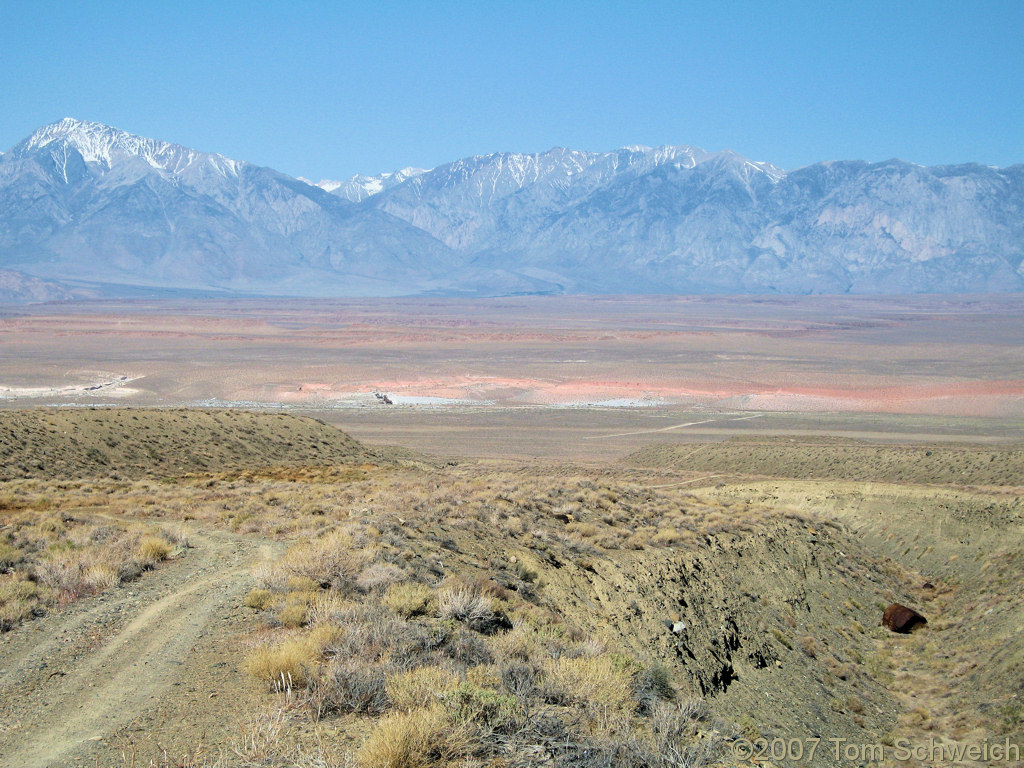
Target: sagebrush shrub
[[353, 686], [379, 575], [463, 603]]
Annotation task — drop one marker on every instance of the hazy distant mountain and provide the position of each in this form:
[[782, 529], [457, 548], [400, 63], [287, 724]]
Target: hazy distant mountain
[[17, 287], [681, 219], [86, 202]]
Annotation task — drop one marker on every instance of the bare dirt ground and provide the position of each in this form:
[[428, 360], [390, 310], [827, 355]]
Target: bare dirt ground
[[130, 673]]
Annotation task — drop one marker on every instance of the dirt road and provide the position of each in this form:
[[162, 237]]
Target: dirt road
[[121, 673]]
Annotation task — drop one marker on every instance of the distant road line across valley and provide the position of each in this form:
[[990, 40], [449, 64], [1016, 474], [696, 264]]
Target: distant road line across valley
[[669, 429]]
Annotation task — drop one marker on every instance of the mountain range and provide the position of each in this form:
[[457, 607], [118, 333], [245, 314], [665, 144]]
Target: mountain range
[[87, 209]]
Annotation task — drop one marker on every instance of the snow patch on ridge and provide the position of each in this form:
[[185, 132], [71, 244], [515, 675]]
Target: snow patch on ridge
[[359, 187], [101, 144]]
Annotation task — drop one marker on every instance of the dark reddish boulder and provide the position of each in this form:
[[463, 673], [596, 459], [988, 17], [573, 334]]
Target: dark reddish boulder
[[901, 619]]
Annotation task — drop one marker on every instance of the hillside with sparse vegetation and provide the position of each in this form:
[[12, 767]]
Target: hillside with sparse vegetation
[[363, 611], [84, 442]]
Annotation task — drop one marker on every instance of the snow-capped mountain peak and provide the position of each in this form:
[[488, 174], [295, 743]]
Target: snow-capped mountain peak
[[85, 202], [103, 145], [359, 187]]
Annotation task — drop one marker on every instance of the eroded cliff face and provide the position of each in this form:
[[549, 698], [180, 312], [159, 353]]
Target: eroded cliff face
[[773, 626]]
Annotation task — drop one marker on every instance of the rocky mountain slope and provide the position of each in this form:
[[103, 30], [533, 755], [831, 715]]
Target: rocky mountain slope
[[85, 202]]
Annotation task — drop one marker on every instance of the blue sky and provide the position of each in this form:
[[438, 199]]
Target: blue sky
[[328, 89]]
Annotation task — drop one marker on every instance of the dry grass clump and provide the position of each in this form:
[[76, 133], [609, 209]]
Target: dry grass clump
[[292, 660], [420, 687], [408, 599], [324, 607], [151, 550], [413, 739], [285, 661], [259, 599], [65, 557], [293, 614], [20, 599], [809, 645], [484, 711], [101, 576], [601, 683], [292, 608]]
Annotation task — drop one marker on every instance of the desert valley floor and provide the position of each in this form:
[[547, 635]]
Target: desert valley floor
[[511, 532]]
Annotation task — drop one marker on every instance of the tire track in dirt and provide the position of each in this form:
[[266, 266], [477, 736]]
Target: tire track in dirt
[[139, 651]]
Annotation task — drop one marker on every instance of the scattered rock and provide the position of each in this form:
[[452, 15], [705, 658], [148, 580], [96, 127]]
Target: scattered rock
[[901, 619], [491, 624]]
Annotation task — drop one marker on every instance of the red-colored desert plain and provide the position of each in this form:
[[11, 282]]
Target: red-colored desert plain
[[929, 356], [906, 355]]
